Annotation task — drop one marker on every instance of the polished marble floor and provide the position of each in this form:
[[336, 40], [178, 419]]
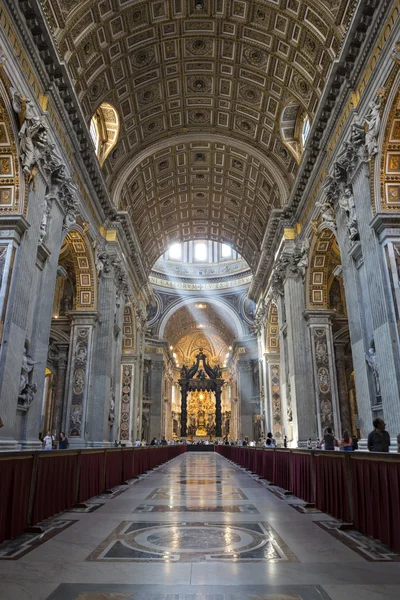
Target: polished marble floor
[[197, 528]]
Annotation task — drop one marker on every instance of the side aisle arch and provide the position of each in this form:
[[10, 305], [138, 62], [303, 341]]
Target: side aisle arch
[[86, 277]]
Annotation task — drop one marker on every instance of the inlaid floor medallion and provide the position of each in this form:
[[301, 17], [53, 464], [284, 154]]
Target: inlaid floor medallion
[[193, 542]]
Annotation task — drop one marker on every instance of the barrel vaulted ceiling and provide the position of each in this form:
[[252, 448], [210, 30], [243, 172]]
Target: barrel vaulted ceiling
[[200, 86]]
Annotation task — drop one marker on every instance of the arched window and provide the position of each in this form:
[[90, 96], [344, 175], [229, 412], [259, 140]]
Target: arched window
[[104, 130], [295, 127], [305, 130]]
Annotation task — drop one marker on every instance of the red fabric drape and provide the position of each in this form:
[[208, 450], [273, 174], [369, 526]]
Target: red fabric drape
[[302, 476], [331, 486], [268, 465], [55, 485], [15, 483], [376, 499], [127, 463], [283, 469], [113, 468], [91, 478]]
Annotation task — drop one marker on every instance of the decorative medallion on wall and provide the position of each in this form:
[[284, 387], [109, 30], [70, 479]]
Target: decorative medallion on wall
[[324, 393], [126, 401], [79, 378]]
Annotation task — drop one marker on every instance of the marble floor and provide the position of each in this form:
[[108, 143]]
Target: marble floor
[[214, 531]]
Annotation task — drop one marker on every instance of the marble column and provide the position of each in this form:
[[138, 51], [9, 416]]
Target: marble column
[[12, 325], [354, 281], [383, 322], [139, 371], [245, 393], [79, 373], [324, 369], [156, 393], [344, 401], [101, 418], [59, 391], [299, 363]]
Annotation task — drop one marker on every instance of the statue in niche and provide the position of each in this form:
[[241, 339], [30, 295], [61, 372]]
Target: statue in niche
[[357, 135], [326, 413], [346, 203], [44, 223], [327, 214], [26, 370], [372, 122], [370, 357], [33, 133], [289, 411], [26, 397], [67, 303], [111, 413], [97, 259]]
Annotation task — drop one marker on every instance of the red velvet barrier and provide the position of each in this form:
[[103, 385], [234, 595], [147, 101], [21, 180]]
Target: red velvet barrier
[[55, 484], [128, 469], [15, 483], [331, 486], [268, 462], [376, 499], [283, 469], [113, 468], [257, 462], [302, 476], [91, 478]]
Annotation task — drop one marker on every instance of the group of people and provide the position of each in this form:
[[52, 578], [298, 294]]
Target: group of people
[[49, 442], [378, 440]]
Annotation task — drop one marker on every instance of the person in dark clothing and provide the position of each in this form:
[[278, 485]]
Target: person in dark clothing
[[355, 442], [63, 442], [163, 441], [379, 439], [329, 439]]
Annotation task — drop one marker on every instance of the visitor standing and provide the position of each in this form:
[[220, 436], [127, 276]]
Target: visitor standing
[[329, 439], [379, 439], [347, 442], [273, 442], [309, 444], [63, 443], [48, 441]]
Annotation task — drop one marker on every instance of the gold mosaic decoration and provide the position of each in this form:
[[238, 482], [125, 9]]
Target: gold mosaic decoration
[[128, 343], [319, 270], [272, 344], [10, 197], [85, 275], [390, 161]]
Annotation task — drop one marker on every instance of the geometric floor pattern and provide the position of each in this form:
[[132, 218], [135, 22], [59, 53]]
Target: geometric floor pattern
[[197, 528], [125, 592], [193, 542]]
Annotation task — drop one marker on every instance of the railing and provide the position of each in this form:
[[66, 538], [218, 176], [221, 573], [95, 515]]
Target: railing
[[358, 487], [37, 485]]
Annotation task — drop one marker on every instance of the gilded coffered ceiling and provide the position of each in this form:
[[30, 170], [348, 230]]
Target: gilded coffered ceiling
[[200, 86]]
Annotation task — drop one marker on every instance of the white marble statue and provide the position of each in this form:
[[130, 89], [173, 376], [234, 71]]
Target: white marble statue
[[27, 368], [370, 357], [372, 121]]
